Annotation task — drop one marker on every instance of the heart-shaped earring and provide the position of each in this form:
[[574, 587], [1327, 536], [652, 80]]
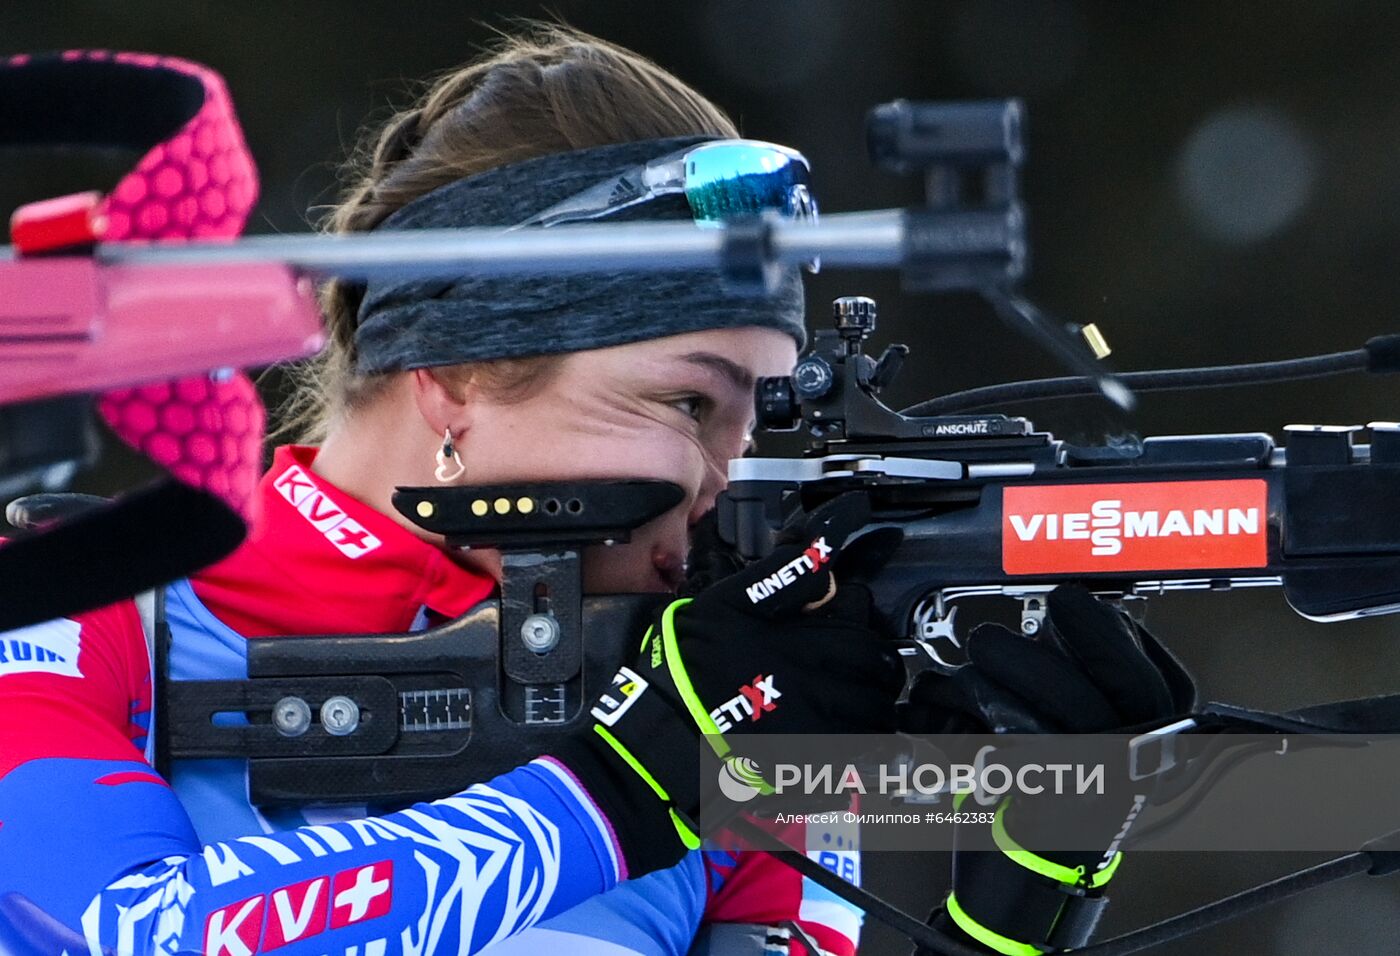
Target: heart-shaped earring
[[447, 457]]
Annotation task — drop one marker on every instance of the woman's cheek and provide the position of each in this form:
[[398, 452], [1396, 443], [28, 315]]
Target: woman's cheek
[[728, 435], [671, 457]]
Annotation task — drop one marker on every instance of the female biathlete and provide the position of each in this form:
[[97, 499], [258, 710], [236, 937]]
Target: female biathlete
[[591, 849]]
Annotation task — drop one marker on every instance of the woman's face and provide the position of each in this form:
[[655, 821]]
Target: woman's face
[[675, 409]]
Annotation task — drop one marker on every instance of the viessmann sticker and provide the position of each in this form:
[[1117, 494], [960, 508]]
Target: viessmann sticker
[[1137, 526]]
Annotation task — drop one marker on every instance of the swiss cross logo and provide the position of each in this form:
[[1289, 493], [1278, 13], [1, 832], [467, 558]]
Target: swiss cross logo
[[300, 911], [348, 536], [362, 894], [351, 538], [1135, 526]]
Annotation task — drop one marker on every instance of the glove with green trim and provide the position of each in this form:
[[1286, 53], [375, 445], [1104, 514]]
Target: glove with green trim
[[1091, 669], [777, 647]]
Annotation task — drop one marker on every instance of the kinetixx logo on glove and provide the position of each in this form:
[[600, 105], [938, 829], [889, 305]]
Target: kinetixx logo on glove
[[753, 701], [817, 554]]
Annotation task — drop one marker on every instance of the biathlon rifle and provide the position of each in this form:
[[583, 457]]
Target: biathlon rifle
[[991, 506]]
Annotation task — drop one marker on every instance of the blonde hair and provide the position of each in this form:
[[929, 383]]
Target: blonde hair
[[543, 89]]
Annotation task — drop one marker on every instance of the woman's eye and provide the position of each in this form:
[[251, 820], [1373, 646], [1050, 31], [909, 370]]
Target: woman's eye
[[693, 405]]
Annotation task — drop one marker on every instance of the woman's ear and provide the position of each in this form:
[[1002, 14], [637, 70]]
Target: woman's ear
[[445, 404]]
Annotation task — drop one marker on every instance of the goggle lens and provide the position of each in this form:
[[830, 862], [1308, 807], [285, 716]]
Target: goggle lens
[[724, 180]]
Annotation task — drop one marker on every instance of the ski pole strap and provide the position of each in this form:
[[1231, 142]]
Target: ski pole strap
[[1018, 902], [1067, 875], [1018, 913]]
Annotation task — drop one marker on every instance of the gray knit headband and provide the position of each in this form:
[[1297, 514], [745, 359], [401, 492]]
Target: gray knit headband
[[416, 324]]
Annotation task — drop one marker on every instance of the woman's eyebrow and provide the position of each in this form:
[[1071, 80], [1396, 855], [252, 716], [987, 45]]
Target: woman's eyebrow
[[739, 376]]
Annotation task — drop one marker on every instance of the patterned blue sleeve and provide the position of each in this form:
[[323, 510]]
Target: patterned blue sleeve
[[99, 856]]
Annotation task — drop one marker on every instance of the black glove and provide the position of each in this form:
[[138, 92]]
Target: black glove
[[777, 647], [1091, 669]]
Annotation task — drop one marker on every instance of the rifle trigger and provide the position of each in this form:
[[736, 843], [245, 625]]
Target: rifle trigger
[[941, 628]]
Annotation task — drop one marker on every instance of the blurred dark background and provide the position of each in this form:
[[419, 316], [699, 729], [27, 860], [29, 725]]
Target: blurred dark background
[[1209, 182]]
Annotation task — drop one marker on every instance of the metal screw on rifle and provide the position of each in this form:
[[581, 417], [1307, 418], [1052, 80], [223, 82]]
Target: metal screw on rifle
[[1032, 615], [291, 716], [340, 716], [540, 632]]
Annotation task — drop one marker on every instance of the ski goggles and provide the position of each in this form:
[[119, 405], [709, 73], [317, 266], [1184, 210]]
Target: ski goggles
[[720, 180]]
